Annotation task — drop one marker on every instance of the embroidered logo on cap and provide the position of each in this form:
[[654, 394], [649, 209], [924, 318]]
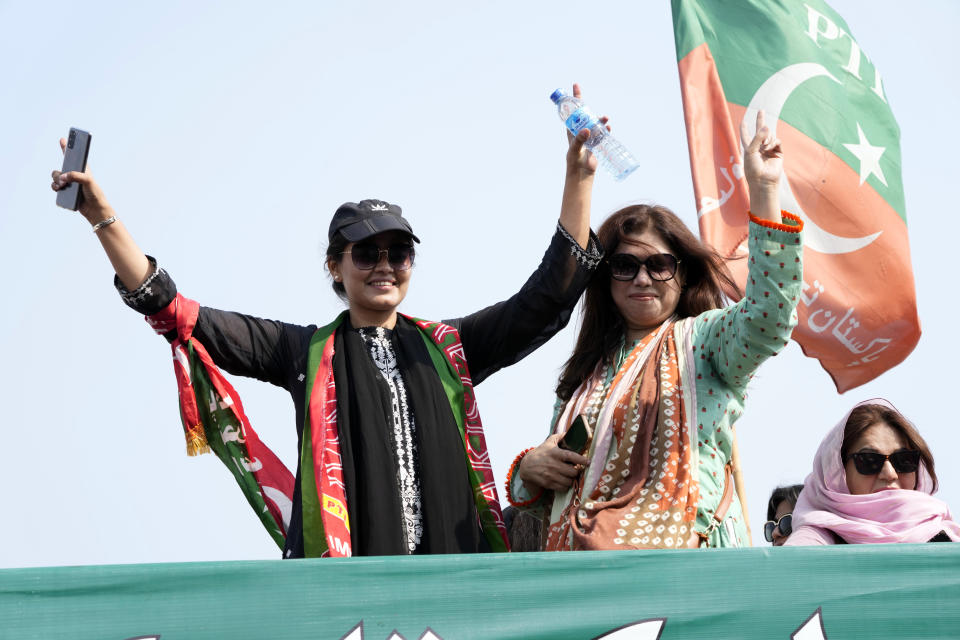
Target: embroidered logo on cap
[[378, 207]]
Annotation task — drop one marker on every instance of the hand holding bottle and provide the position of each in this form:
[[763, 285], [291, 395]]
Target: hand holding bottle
[[610, 154]]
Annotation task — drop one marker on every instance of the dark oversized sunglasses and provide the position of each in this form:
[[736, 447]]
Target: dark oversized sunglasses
[[660, 266], [868, 463], [785, 523], [366, 256]]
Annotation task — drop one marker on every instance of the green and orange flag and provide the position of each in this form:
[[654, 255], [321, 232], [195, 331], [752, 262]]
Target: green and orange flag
[[798, 61]]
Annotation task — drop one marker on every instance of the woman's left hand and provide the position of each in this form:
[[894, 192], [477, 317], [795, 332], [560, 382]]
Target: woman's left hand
[[762, 166]]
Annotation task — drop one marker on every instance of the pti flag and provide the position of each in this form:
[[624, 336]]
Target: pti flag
[[798, 62]]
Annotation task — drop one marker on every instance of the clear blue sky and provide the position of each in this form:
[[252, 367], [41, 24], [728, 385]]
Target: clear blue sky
[[225, 136]]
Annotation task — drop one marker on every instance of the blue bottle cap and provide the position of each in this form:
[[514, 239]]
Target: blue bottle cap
[[557, 95]]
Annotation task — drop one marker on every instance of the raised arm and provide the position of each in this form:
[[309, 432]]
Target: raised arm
[[129, 262], [241, 344], [578, 185], [762, 166], [737, 339], [506, 332]]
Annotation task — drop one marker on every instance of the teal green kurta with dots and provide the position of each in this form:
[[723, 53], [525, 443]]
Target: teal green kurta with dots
[[729, 345], [720, 350]]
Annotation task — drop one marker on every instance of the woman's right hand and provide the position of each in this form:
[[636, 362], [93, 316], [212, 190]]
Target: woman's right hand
[[550, 467], [94, 206], [130, 263]]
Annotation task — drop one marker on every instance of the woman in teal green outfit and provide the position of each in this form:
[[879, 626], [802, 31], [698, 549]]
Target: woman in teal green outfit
[[659, 376]]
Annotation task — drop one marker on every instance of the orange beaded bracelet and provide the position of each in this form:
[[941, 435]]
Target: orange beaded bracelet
[[513, 469], [797, 227]]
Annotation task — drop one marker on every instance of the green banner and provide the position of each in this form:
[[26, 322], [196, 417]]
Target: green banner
[[846, 591], [823, 98], [751, 39]]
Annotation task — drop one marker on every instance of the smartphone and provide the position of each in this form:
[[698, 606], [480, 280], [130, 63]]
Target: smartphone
[[577, 436], [74, 159]]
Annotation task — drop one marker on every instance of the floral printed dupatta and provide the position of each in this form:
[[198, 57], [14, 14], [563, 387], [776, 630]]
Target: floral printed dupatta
[[640, 489]]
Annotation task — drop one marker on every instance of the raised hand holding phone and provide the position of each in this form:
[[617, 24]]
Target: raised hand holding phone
[[92, 202], [74, 159], [129, 262]]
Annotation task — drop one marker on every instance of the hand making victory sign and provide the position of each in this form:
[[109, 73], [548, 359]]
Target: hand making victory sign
[[762, 166]]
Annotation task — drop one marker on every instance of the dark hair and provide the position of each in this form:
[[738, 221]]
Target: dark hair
[[523, 529], [335, 252], [867, 415], [789, 493], [705, 279]]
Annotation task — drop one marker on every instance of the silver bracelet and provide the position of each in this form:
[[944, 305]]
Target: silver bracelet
[[103, 223]]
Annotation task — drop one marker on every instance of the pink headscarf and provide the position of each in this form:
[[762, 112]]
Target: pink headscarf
[[886, 516]]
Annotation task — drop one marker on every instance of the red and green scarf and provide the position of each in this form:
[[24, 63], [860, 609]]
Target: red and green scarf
[[213, 419]]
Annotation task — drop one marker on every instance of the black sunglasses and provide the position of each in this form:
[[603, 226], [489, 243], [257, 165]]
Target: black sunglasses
[[660, 266], [785, 523], [869, 463], [366, 256]]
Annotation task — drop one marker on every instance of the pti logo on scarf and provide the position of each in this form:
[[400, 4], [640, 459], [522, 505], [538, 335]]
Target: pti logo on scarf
[[823, 97]]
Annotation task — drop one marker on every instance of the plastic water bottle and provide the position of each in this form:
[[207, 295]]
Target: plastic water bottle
[[611, 155]]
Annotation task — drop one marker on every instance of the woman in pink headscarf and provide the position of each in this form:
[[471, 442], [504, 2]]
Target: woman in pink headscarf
[[873, 481]]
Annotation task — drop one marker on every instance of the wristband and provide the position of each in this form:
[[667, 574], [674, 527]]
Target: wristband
[[796, 227]]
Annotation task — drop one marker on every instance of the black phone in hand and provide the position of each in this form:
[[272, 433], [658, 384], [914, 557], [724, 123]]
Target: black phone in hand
[[74, 159]]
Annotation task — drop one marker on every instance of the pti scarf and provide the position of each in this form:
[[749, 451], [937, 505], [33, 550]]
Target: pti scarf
[[213, 419], [885, 516], [640, 489]]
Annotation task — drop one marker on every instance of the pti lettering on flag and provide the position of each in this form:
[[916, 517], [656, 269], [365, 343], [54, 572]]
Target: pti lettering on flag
[[824, 98]]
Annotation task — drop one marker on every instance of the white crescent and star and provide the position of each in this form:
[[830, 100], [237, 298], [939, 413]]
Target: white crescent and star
[[869, 157], [771, 96]]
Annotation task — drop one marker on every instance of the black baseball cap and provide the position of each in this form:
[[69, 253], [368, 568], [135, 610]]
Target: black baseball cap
[[357, 221]]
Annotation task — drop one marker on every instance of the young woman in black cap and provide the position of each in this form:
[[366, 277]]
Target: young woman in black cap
[[392, 455]]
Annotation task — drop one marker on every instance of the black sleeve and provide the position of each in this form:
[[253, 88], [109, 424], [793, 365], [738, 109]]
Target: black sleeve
[[243, 345], [156, 292], [506, 332], [267, 350]]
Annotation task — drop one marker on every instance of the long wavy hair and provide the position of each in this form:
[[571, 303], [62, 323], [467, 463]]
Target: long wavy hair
[[707, 284]]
